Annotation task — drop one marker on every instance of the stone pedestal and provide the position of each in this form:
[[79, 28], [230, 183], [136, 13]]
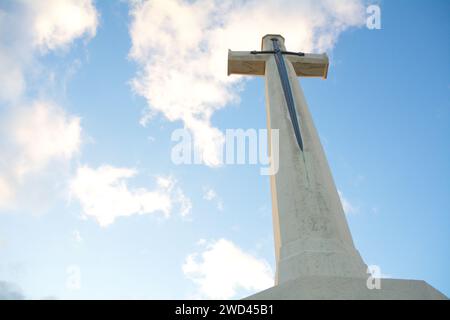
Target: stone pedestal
[[341, 288]]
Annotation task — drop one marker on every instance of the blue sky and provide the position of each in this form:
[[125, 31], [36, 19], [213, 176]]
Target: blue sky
[[165, 231]]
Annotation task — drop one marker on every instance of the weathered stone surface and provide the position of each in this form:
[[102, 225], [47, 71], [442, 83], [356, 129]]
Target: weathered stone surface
[[340, 288]]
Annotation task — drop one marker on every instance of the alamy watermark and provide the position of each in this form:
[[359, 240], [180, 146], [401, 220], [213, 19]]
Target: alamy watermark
[[374, 279], [239, 147], [73, 281], [373, 21]]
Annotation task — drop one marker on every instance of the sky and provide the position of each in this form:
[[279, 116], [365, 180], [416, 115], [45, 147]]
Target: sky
[[92, 205]]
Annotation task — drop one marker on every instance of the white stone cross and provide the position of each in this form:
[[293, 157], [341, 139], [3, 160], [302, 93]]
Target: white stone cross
[[314, 250], [311, 233]]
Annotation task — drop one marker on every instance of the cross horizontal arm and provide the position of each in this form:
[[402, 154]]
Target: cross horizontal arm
[[310, 65], [246, 63], [300, 54], [254, 63]]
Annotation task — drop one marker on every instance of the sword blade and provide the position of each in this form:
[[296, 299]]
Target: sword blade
[[287, 91]]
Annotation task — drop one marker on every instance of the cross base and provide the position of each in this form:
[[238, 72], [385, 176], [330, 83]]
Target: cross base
[[341, 288]]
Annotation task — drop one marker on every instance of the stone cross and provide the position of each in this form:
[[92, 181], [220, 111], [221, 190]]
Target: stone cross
[[314, 250], [311, 233]]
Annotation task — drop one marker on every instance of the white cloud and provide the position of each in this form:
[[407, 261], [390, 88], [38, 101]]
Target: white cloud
[[346, 205], [31, 28], [44, 132], [104, 194], [56, 23], [32, 138], [223, 268], [181, 48], [36, 133]]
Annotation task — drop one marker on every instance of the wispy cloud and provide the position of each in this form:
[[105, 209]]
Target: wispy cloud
[[348, 207], [222, 268], [210, 194], [105, 196], [181, 50]]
